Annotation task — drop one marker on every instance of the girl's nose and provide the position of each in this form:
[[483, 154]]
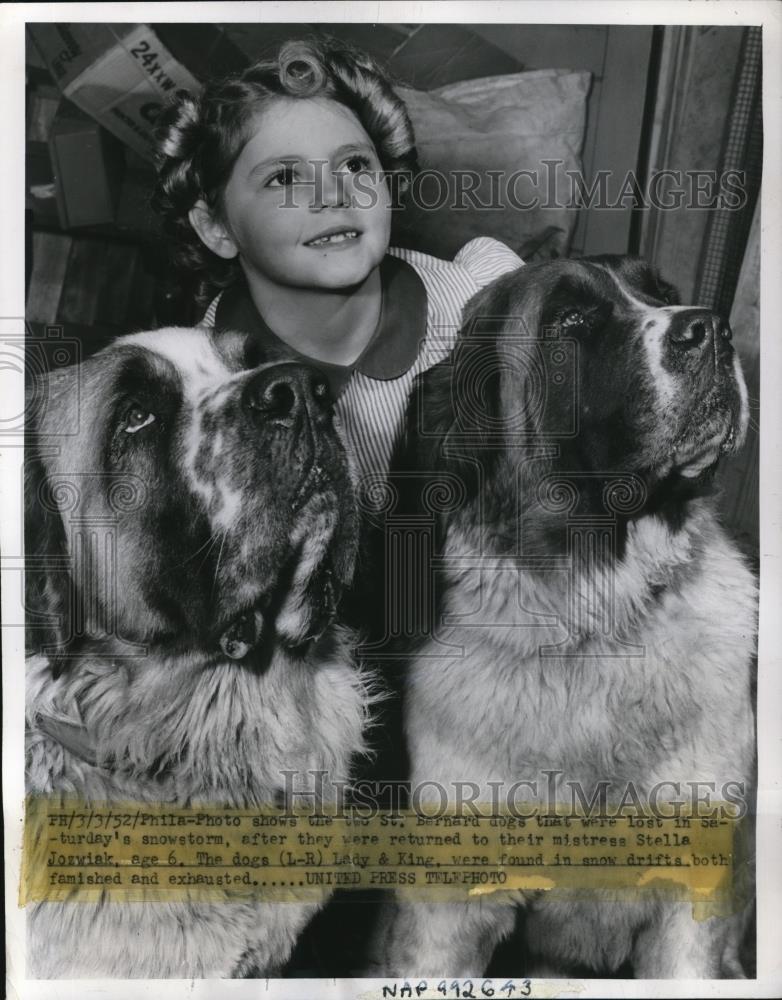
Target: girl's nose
[[329, 189]]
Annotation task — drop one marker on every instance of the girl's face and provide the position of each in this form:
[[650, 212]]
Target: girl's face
[[306, 205]]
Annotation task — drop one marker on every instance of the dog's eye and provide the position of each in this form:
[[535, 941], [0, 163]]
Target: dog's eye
[[572, 317], [663, 292], [136, 419]]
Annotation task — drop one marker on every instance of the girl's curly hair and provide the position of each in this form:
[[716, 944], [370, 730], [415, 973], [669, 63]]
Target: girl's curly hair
[[200, 137]]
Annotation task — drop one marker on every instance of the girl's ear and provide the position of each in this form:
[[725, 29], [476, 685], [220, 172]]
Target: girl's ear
[[211, 231]]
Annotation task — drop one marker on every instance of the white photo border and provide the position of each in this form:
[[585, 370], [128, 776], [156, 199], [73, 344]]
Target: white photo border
[[767, 13]]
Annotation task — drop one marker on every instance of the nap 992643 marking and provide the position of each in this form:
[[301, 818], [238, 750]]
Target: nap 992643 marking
[[458, 989]]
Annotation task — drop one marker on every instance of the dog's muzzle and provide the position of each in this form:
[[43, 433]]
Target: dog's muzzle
[[292, 402], [700, 352], [287, 395], [700, 337]]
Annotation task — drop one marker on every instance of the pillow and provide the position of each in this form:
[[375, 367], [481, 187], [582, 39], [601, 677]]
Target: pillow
[[508, 125]]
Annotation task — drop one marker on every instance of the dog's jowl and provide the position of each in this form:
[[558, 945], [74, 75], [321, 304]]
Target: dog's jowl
[[190, 525], [603, 620]]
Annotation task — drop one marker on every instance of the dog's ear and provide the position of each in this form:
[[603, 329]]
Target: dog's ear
[[48, 597], [453, 417], [447, 451]]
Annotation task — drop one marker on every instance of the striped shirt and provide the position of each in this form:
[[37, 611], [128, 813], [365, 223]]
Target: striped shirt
[[420, 318]]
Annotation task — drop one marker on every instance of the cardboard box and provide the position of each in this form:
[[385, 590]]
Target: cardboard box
[[119, 74], [88, 166]]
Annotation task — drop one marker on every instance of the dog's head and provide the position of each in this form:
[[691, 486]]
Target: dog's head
[[593, 365], [178, 499], [660, 389]]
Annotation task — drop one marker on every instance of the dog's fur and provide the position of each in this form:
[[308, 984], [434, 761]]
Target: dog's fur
[[204, 522], [631, 433]]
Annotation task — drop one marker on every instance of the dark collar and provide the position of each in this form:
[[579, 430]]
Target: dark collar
[[391, 352], [73, 736]]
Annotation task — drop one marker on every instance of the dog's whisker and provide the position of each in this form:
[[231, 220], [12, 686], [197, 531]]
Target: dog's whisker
[[208, 553], [219, 557], [211, 541]]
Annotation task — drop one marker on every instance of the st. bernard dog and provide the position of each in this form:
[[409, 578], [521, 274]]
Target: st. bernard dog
[[190, 525], [603, 621]]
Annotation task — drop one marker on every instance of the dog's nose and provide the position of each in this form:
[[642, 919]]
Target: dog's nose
[[700, 330], [287, 392]]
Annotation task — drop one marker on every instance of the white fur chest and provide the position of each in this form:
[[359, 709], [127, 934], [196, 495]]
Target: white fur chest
[[187, 734], [663, 691], [178, 731]]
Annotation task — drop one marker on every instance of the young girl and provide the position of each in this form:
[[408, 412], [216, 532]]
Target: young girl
[[279, 185]]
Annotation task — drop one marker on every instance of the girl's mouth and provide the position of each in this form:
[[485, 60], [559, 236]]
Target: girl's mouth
[[334, 238]]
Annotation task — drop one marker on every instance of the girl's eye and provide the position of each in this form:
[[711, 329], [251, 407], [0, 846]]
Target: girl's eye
[[283, 178], [357, 163], [136, 419]]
